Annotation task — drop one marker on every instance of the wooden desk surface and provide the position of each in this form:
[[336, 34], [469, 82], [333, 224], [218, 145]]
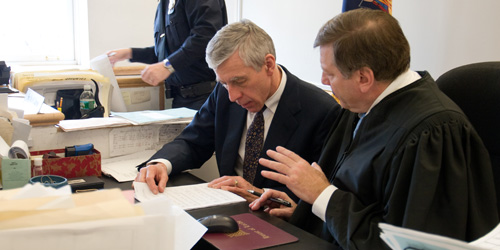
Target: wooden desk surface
[[306, 240]]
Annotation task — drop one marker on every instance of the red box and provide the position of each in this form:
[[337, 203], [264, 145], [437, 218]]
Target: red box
[[70, 167]]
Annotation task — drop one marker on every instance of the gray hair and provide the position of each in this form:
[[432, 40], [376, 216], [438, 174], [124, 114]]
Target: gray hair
[[252, 42]]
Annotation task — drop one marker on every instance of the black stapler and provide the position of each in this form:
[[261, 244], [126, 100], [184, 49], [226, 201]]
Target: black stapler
[[5, 79]]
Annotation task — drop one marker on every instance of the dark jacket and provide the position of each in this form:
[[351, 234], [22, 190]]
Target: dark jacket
[[182, 35], [302, 120]]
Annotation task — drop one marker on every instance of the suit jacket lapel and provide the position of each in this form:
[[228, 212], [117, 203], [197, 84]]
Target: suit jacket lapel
[[237, 116], [284, 122]]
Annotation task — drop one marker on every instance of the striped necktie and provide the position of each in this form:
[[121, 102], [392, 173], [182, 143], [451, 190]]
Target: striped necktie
[[253, 146]]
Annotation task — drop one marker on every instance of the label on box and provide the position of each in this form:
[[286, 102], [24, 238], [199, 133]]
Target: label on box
[[15, 172]]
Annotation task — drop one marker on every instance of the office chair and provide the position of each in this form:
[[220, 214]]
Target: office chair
[[475, 88]]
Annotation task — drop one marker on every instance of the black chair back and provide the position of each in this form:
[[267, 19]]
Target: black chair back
[[475, 88]]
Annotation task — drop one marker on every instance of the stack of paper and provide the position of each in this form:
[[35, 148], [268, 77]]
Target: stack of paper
[[189, 196], [38, 217], [92, 123], [123, 168], [158, 116], [399, 238]]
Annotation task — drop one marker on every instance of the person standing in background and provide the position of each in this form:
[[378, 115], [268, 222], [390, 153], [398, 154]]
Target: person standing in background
[[384, 5], [182, 29]]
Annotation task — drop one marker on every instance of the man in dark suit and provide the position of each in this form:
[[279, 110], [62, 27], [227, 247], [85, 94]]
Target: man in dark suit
[[296, 115]]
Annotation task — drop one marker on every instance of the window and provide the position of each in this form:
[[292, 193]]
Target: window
[[46, 32]]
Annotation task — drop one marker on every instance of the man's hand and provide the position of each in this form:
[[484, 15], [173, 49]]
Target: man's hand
[[303, 180], [237, 185], [155, 175], [119, 55], [274, 208], [155, 74]]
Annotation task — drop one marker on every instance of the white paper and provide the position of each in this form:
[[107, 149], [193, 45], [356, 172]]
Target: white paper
[[490, 240], [39, 190], [123, 168], [158, 116], [175, 230], [92, 123], [183, 222], [4, 148], [164, 226], [403, 238], [102, 65], [17, 105], [32, 102], [22, 129], [129, 140], [189, 196]]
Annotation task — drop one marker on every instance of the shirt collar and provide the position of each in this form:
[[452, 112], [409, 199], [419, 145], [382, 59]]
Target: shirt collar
[[272, 102], [401, 81]]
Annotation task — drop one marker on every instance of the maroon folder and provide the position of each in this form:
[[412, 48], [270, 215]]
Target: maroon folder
[[254, 233]]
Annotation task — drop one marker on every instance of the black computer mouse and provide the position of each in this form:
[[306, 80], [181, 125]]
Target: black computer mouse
[[219, 224]]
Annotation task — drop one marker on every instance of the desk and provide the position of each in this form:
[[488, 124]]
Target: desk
[[306, 240]]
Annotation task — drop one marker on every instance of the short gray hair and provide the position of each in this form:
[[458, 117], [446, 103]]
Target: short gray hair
[[252, 42]]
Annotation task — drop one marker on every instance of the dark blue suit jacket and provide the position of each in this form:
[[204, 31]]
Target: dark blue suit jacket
[[302, 120], [182, 36]]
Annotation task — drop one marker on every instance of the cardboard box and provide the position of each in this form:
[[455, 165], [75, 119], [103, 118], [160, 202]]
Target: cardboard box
[[71, 167]]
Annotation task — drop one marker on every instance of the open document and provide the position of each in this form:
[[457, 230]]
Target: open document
[[189, 196], [38, 217], [399, 238]]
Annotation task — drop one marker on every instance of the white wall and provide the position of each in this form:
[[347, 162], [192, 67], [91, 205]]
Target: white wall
[[127, 23], [120, 24], [293, 25], [448, 33], [443, 34]]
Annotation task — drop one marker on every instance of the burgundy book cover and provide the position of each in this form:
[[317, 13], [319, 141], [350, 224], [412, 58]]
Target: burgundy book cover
[[254, 233]]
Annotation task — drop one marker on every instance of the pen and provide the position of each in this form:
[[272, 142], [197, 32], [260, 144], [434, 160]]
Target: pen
[[112, 54], [277, 200], [60, 104]]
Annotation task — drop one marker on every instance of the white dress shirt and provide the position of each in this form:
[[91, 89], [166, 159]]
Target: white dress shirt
[[271, 104]]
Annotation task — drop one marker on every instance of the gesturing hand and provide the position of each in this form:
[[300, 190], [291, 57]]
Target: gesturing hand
[[304, 180]]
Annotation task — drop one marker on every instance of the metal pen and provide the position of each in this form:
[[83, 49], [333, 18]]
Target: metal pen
[[277, 200]]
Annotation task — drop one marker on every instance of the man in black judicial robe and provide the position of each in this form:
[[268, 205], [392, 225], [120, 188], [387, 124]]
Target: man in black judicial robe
[[413, 160]]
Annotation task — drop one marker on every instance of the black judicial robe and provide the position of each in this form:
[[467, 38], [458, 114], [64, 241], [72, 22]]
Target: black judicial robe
[[415, 162]]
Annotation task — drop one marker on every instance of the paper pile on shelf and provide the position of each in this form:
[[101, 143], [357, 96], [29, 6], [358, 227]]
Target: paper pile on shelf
[[45, 218]]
